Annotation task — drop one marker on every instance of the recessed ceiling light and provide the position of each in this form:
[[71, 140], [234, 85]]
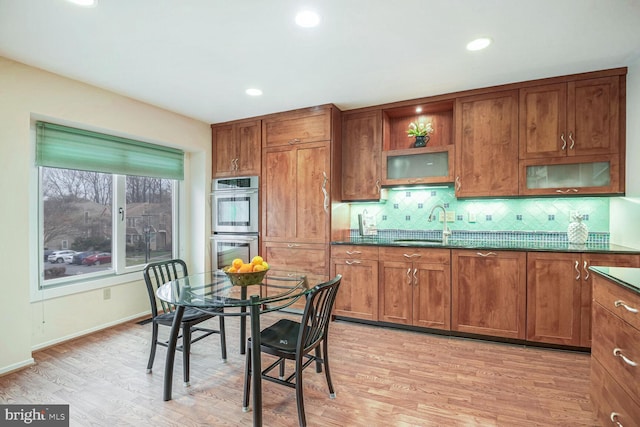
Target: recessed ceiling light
[[479, 44], [307, 19], [84, 3], [253, 92], [418, 109]]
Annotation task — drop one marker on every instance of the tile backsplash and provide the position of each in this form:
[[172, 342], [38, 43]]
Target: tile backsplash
[[408, 209]]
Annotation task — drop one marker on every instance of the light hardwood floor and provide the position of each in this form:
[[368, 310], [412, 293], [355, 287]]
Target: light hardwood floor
[[383, 377]]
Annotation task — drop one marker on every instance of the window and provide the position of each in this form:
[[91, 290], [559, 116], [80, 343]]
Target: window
[[107, 215]]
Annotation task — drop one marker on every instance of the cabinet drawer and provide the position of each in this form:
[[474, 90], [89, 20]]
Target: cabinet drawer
[[307, 258], [354, 251], [617, 300], [613, 341], [610, 402], [422, 255], [297, 127]]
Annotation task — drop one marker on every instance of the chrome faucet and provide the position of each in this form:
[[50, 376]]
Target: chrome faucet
[[445, 231]]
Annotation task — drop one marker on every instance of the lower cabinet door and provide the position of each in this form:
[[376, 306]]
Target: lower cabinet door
[[358, 294], [488, 293]]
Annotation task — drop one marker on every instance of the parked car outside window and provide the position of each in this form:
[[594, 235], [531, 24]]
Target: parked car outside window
[[80, 256], [58, 256], [97, 259]]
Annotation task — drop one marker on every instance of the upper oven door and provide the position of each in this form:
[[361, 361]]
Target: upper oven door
[[235, 211]]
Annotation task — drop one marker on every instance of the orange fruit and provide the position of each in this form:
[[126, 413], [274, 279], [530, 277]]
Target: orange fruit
[[231, 270], [259, 267], [245, 268], [265, 265], [237, 263], [257, 260]]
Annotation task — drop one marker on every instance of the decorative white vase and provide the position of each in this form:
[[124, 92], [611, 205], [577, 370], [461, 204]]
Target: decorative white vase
[[577, 231]]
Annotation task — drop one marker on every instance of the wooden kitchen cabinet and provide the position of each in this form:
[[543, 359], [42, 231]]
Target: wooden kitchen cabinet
[[615, 354], [488, 293], [559, 294], [296, 193], [415, 287], [358, 295], [361, 151], [578, 118], [236, 148], [487, 145], [297, 127]]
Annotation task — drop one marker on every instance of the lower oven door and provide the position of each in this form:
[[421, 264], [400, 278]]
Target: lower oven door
[[227, 247]]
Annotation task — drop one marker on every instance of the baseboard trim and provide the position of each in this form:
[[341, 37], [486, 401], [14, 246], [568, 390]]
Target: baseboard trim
[[17, 366]]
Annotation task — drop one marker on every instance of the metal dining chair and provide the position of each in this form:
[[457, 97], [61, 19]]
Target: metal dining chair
[[291, 340], [155, 275]]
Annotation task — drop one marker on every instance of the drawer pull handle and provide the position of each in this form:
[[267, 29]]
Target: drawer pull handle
[[411, 256], [353, 252], [586, 270], [487, 254], [614, 419], [623, 304], [577, 270], [618, 353], [355, 261], [292, 245], [409, 276], [415, 276]]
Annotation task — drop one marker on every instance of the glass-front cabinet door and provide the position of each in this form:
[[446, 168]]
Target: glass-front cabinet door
[[591, 175], [429, 165]]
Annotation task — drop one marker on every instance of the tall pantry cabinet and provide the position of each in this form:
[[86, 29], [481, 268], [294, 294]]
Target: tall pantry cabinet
[[300, 178]]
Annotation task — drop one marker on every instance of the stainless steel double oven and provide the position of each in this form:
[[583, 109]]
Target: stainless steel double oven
[[235, 212]]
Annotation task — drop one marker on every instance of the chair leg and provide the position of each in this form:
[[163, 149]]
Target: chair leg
[[299, 395], [223, 338], [325, 358], [281, 371], [154, 344], [186, 351], [318, 362], [247, 379]]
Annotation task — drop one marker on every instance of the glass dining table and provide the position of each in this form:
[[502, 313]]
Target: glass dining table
[[210, 291]]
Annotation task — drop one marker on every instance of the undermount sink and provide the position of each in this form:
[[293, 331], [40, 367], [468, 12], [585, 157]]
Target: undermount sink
[[421, 242]]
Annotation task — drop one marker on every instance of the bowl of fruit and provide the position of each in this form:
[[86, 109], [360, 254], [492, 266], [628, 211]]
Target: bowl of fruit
[[241, 273]]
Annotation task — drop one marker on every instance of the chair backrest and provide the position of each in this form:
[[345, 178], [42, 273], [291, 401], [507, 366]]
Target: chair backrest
[[158, 273], [317, 314]]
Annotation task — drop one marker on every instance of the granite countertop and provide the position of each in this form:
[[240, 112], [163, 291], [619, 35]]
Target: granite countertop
[[625, 276], [514, 245]]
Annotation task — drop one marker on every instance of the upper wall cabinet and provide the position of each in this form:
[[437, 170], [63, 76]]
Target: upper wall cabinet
[[402, 162], [361, 150], [578, 118], [297, 127], [236, 148], [487, 145]]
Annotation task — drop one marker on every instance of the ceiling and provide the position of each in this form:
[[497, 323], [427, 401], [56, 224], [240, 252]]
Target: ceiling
[[197, 57]]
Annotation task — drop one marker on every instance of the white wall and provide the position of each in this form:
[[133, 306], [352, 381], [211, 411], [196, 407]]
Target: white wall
[[25, 92], [625, 211]]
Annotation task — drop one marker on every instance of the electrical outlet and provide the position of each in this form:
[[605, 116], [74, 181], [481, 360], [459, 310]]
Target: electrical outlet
[[106, 293], [471, 217], [451, 216]]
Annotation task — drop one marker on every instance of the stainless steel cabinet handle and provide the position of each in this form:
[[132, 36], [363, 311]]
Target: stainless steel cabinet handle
[[586, 270], [293, 245], [415, 277], [324, 191], [458, 184], [617, 352], [353, 252], [355, 261], [487, 254], [620, 303], [411, 256], [378, 188], [614, 419], [573, 143], [568, 190], [293, 141], [409, 276], [564, 141], [577, 270]]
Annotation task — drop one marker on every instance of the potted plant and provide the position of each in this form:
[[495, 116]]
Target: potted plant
[[420, 131]]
